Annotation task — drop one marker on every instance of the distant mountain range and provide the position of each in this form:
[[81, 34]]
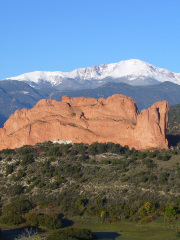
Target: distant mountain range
[[144, 82], [17, 95], [133, 72]]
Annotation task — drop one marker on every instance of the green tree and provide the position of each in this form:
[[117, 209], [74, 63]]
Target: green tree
[[170, 212]]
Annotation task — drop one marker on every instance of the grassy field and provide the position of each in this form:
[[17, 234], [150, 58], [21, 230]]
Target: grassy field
[[155, 230]]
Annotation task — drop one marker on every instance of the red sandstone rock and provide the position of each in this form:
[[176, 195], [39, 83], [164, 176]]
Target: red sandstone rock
[[80, 119]]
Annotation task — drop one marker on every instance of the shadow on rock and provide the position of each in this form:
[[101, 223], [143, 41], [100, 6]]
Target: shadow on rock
[[173, 140]]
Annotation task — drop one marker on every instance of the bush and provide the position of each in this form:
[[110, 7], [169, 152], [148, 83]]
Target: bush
[[160, 157], [20, 174], [152, 177], [18, 189], [11, 220], [25, 150], [101, 148], [178, 234], [170, 212], [124, 190], [8, 151], [8, 159], [165, 157], [27, 159], [123, 180], [53, 185], [151, 154], [143, 179], [9, 169], [164, 177], [18, 207], [72, 234], [40, 185], [49, 221], [52, 159], [141, 155], [93, 149]]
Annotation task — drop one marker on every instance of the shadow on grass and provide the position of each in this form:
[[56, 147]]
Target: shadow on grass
[[106, 235], [66, 222], [173, 140], [11, 234]]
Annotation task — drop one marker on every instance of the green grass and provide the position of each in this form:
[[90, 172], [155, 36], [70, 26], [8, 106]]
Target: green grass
[[155, 230]]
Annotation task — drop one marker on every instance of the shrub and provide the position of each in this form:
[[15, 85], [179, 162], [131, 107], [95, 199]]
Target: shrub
[[27, 159], [8, 151], [40, 185], [8, 159], [52, 159], [9, 169], [164, 177], [143, 179], [98, 202], [149, 163], [178, 234], [101, 148], [152, 177], [18, 207], [26, 149], [18, 189], [92, 150], [141, 155], [160, 157], [106, 161], [49, 221], [72, 234], [124, 190], [14, 178], [170, 212], [123, 180], [83, 158], [165, 157], [53, 185], [151, 154], [11, 220], [20, 174]]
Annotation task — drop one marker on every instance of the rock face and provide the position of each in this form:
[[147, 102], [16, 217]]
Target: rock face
[[80, 119]]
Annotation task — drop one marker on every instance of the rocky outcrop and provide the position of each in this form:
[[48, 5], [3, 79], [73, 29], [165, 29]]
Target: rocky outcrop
[[80, 119]]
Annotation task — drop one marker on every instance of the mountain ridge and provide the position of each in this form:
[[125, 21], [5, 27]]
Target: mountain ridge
[[18, 95], [133, 71]]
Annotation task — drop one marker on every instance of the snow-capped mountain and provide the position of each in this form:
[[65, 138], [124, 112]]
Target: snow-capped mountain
[[133, 72]]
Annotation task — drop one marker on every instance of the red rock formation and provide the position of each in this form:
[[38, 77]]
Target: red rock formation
[[115, 119]]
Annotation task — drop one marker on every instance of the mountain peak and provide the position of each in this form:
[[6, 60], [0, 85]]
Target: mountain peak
[[133, 71]]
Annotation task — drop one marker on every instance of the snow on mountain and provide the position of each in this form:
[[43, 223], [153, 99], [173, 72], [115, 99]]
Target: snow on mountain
[[131, 69]]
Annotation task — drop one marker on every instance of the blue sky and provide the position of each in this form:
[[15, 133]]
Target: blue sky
[[62, 35]]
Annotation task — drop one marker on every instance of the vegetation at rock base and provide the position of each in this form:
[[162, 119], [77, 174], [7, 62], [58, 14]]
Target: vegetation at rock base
[[106, 181]]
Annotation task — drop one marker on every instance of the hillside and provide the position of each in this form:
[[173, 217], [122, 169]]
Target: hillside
[[102, 181]]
